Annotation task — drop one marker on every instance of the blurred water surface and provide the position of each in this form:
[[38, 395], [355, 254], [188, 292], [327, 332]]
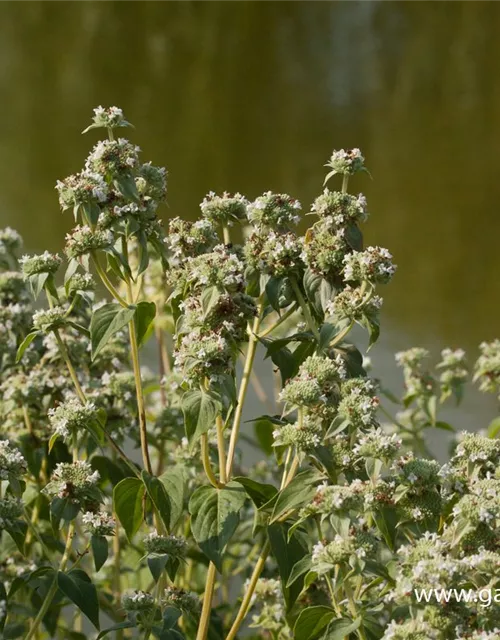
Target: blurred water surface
[[252, 96]]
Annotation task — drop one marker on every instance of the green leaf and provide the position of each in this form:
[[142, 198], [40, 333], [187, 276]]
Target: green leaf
[[318, 291], [128, 624], [341, 628], [105, 322], [145, 313], [299, 569], [17, 531], [128, 503], [200, 409], [494, 428], [26, 343], [386, 521], [258, 492], [273, 288], [78, 587], [174, 482], [214, 518], [99, 546], [444, 426], [158, 494], [37, 282], [354, 237], [209, 298], [287, 550], [298, 493], [157, 564], [264, 434], [326, 335], [62, 509], [312, 621]]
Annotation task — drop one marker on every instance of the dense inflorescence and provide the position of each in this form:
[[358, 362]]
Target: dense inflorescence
[[345, 516]]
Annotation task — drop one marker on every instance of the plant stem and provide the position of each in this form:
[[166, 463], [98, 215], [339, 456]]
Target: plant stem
[[65, 355], [340, 336], [247, 370], [305, 309], [280, 320], [205, 458], [107, 282], [225, 235], [247, 599], [345, 181], [53, 588], [138, 387], [221, 447], [207, 603]]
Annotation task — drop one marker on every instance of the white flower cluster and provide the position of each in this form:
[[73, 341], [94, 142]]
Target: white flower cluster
[[487, 368], [373, 265], [188, 239], [87, 187], [169, 545], [10, 510], [274, 211], [376, 444], [224, 209], [353, 303], [304, 434], [348, 162], [186, 601], [83, 240], [341, 208], [359, 404], [12, 462], [138, 601], [49, 319], [99, 523], [109, 117], [412, 630], [454, 372], [75, 481], [43, 263], [71, 416]]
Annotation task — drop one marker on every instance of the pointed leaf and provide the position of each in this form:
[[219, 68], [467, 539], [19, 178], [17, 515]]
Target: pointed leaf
[[78, 587], [99, 546], [214, 518], [174, 481], [200, 409], [128, 503], [144, 315], [105, 322], [312, 621], [26, 343]]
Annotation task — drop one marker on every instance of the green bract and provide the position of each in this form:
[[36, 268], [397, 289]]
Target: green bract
[[126, 496]]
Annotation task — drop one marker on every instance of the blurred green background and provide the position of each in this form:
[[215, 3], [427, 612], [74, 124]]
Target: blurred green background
[[252, 96]]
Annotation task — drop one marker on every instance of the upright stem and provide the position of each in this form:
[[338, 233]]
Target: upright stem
[[221, 446], [247, 598], [207, 603], [106, 281], [134, 347], [53, 588], [247, 371], [205, 458], [345, 181]]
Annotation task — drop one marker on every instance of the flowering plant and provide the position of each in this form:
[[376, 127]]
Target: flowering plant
[[342, 517]]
